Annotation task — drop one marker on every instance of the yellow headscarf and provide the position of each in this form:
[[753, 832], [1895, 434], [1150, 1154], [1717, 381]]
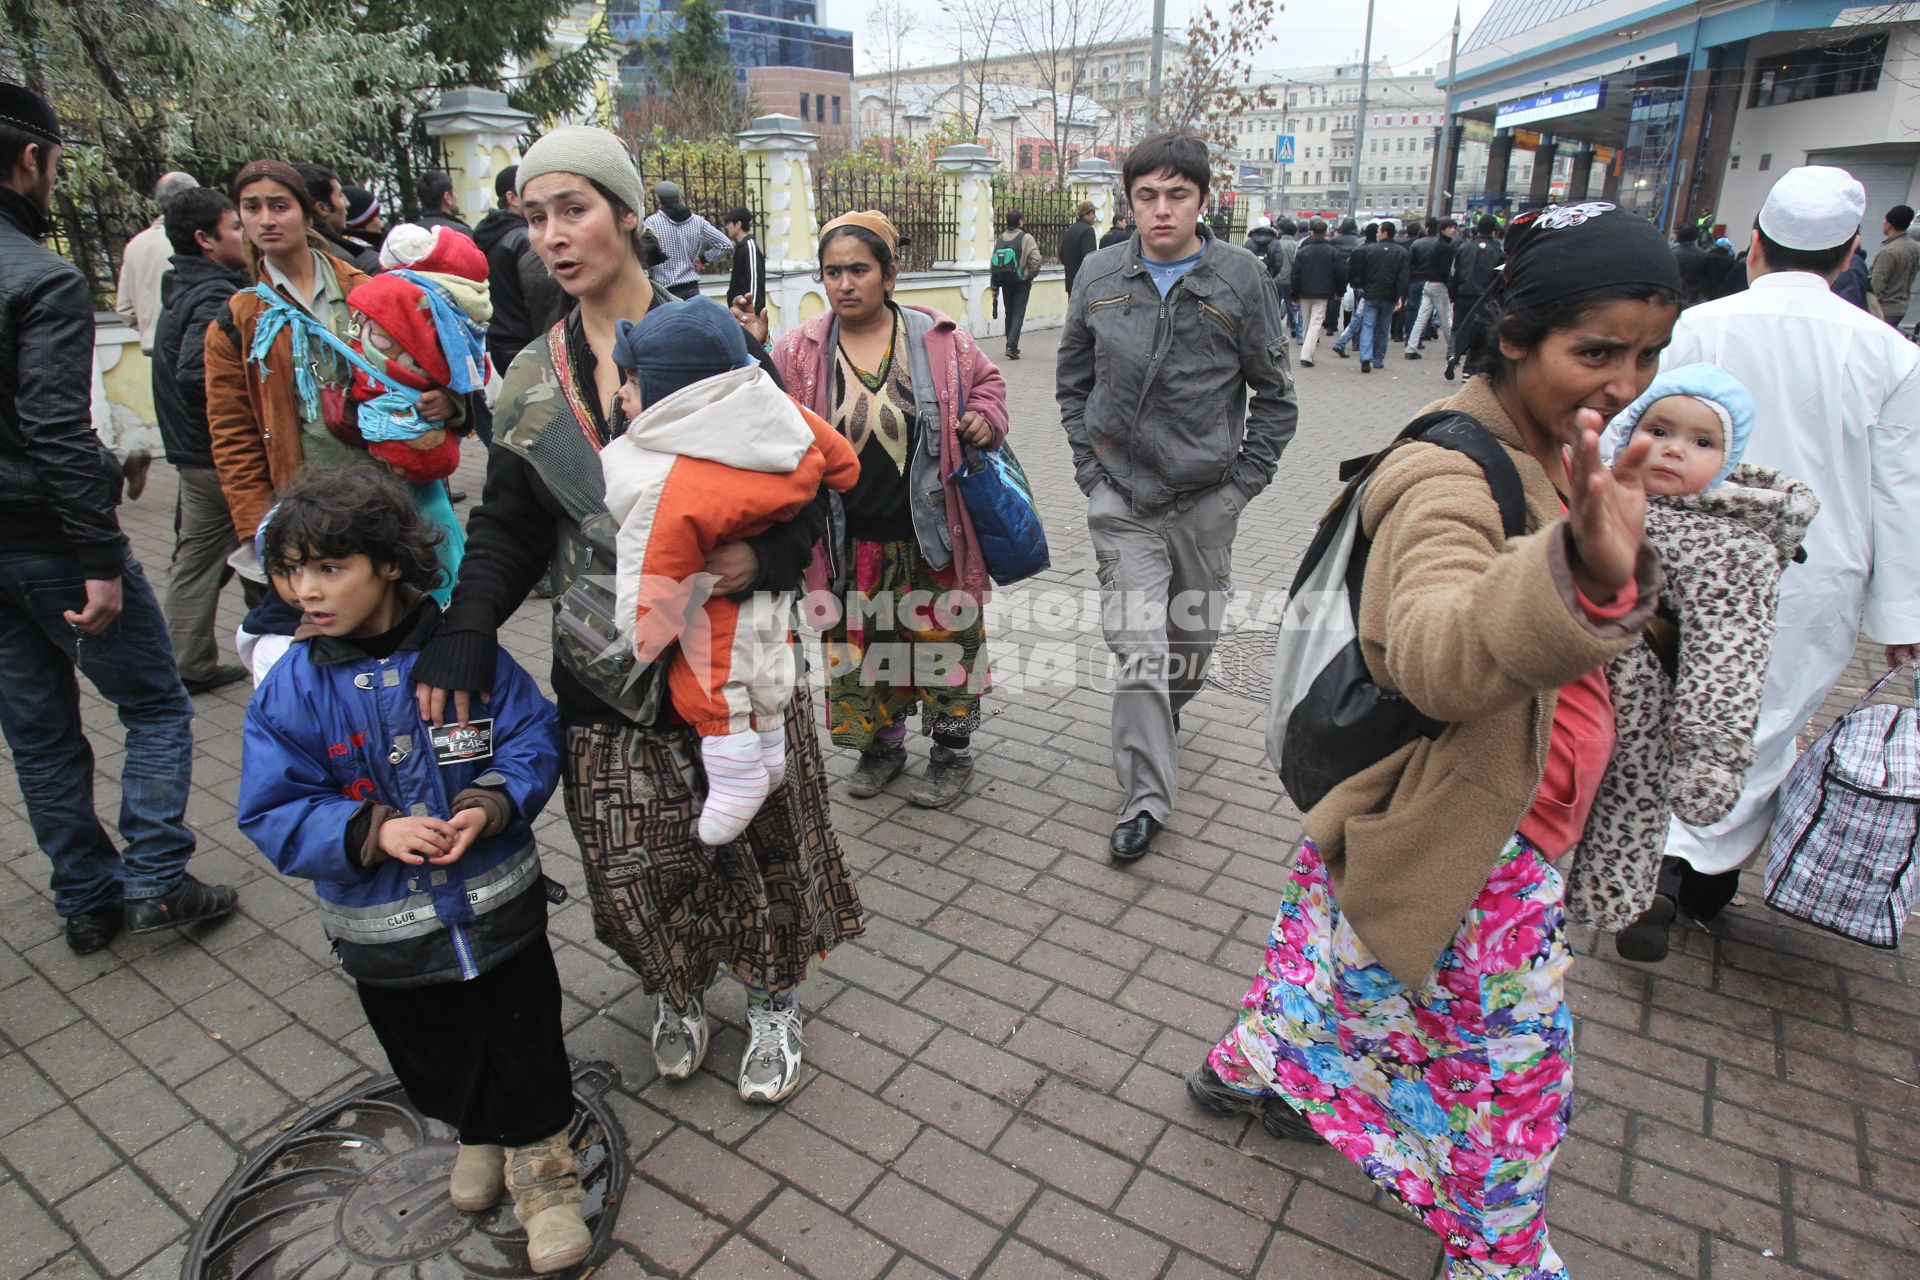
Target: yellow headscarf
[[869, 220]]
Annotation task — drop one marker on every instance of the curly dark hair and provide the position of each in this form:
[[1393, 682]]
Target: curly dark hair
[[354, 511]]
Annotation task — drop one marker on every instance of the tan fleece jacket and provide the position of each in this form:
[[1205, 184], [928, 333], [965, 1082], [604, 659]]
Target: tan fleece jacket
[[1476, 631]]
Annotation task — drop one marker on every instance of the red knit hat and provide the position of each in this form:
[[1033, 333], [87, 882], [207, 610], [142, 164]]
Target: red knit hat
[[401, 308], [433, 249], [455, 255]]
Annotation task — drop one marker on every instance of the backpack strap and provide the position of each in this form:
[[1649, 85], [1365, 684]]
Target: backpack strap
[[1463, 433], [1466, 434]]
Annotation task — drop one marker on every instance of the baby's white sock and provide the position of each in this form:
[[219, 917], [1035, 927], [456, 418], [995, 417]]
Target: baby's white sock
[[773, 753], [736, 785]]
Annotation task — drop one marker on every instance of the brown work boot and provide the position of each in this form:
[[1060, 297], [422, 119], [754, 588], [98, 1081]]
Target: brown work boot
[[545, 1181], [479, 1176]]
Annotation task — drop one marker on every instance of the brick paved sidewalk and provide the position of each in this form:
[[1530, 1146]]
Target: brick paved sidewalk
[[994, 1072]]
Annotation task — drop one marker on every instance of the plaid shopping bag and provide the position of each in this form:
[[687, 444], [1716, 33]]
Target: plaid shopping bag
[[1843, 848]]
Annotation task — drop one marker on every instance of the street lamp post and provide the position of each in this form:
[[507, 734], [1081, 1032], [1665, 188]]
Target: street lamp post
[[1360, 120]]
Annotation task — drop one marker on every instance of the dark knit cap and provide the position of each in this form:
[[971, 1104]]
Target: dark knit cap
[[678, 344], [362, 208], [27, 111], [1564, 251], [278, 171]]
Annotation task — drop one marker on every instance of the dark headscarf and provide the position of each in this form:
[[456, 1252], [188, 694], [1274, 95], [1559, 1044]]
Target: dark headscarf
[[1566, 250]]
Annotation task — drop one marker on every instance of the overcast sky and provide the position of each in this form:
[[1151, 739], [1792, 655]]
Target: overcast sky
[[1412, 33]]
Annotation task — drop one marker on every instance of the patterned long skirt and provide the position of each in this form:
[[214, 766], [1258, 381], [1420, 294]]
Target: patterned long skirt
[[887, 659], [1453, 1097], [766, 908]]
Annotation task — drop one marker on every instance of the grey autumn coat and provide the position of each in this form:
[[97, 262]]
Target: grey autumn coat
[[1685, 739], [1154, 392]]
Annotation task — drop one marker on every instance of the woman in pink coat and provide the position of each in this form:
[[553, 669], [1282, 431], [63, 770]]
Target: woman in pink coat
[[907, 387]]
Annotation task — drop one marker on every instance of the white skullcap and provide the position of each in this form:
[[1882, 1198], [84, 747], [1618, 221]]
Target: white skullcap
[[1813, 207]]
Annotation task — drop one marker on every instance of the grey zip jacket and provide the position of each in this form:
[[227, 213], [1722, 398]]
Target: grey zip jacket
[[1154, 393]]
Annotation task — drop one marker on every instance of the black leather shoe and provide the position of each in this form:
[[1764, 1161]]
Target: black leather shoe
[[222, 676], [1647, 939], [1132, 837], [186, 903], [91, 930]]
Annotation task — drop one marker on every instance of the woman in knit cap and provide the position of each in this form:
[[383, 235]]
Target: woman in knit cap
[[1411, 1009], [907, 534], [276, 388], [766, 907]]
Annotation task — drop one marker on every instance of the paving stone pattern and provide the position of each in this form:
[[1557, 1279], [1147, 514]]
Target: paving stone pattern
[[993, 1077]]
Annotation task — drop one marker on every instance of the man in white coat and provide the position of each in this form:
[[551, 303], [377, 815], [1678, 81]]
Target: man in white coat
[[1838, 407]]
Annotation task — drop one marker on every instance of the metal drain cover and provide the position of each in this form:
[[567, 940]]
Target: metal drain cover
[[357, 1190], [1243, 664]]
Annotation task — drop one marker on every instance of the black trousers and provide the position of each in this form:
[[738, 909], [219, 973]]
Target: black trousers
[[686, 290], [1013, 302], [485, 1056], [1700, 895]]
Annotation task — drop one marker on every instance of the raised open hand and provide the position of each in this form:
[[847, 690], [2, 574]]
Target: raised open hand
[[1607, 510]]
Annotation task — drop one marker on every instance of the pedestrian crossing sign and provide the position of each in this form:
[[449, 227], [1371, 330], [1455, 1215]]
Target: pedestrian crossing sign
[[1283, 148]]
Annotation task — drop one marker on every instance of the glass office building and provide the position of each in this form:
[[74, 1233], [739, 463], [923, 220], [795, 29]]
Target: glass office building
[[759, 33]]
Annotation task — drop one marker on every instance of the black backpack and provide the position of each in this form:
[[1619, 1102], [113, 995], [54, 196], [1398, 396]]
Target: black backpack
[[1328, 719]]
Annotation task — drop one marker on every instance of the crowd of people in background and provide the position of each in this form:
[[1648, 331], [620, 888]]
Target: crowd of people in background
[[1410, 1006]]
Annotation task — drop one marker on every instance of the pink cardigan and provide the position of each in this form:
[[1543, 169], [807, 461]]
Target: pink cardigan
[[965, 376]]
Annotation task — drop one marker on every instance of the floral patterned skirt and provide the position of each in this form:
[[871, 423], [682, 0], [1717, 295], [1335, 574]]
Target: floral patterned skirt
[[1453, 1097], [895, 659]]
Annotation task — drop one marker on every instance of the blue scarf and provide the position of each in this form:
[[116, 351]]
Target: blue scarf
[[463, 342], [391, 415]]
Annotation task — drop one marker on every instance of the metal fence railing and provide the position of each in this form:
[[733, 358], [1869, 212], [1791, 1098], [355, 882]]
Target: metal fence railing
[[923, 208], [713, 185], [1049, 210], [92, 234]]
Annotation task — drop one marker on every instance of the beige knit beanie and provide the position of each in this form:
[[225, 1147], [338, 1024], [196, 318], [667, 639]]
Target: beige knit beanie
[[591, 153]]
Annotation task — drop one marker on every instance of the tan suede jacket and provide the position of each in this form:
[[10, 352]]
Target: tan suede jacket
[[1477, 631], [253, 422]]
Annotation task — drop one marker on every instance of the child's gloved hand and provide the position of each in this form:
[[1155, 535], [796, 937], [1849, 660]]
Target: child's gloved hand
[[418, 840], [467, 825]]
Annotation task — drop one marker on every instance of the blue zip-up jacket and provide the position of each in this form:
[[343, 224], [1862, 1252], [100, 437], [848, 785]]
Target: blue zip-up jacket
[[333, 734]]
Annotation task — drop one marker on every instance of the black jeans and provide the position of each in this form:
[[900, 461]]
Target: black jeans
[[486, 1056], [686, 290], [1013, 304], [1699, 894]]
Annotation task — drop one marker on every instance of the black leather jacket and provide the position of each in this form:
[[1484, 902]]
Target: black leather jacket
[[58, 484]]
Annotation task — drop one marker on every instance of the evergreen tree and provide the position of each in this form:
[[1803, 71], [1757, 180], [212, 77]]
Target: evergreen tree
[[694, 91]]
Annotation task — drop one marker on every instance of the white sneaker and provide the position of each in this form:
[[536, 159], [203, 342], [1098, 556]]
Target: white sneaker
[[679, 1039], [771, 1068]]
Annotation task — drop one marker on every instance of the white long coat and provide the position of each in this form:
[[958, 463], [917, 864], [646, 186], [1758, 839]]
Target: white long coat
[[1837, 396]]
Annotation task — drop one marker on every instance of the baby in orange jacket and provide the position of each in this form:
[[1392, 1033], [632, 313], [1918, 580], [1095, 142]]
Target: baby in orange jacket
[[713, 451]]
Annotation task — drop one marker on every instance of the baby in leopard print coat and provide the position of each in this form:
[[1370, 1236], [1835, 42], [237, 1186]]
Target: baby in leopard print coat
[[1687, 698]]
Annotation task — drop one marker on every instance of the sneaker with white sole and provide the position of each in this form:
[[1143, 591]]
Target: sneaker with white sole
[[679, 1039], [770, 1070]]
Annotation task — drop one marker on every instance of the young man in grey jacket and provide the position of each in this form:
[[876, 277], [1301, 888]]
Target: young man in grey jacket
[[1168, 449]]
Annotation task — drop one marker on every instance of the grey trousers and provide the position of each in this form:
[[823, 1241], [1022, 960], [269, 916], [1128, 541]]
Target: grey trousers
[[1165, 578], [202, 540]]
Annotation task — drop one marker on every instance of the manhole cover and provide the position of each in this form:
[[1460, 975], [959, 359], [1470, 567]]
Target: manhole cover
[[358, 1188], [1243, 664]]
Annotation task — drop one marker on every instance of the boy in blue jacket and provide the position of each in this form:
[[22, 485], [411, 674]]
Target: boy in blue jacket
[[420, 845]]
